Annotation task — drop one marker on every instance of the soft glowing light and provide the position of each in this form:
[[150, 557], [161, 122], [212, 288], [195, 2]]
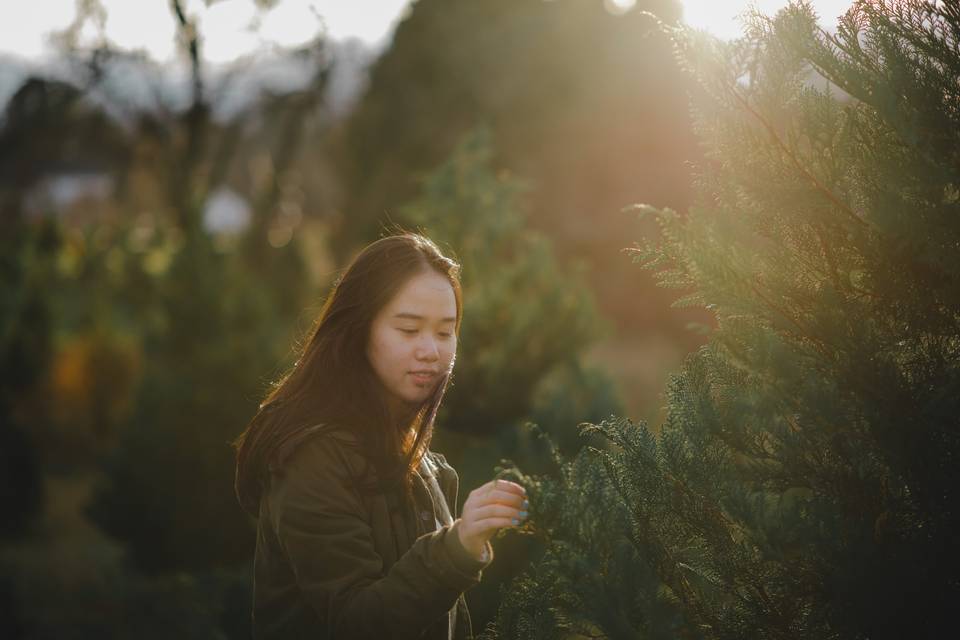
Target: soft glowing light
[[723, 18], [618, 7]]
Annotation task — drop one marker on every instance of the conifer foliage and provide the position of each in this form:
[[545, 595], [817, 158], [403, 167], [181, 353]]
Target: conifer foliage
[[805, 483], [524, 315]]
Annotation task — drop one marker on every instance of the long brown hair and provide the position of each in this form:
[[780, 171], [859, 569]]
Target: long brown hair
[[333, 383]]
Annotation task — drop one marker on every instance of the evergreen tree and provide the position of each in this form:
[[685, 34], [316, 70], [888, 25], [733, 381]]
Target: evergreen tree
[[527, 322], [547, 77], [804, 484], [212, 329], [524, 315]]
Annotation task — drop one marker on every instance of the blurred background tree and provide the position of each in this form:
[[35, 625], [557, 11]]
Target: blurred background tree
[[162, 259], [586, 105], [806, 473], [524, 314], [142, 322], [168, 235]]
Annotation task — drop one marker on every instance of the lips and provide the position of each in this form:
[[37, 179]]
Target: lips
[[424, 376]]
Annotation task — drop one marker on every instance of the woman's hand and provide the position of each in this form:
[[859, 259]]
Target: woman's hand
[[490, 507]]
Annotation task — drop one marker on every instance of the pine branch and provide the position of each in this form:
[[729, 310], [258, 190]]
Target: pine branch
[[796, 163]]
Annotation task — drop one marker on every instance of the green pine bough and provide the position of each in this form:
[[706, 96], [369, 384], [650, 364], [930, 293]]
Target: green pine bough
[[805, 482]]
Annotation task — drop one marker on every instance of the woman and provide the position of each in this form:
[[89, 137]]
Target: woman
[[355, 533]]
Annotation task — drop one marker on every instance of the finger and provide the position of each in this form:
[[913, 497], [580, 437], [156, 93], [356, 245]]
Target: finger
[[506, 485], [498, 511], [491, 524], [503, 497], [485, 488], [486, 492]]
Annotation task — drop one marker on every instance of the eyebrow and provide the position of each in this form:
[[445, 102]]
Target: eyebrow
[[413, 316]]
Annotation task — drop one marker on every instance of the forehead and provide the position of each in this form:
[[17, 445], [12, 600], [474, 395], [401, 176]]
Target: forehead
[[426, 294]]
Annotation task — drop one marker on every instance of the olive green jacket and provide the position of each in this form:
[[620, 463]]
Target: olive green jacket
[[331, 563]]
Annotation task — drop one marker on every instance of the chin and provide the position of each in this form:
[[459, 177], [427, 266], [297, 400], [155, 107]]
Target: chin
[[414, 397], [418, 399]]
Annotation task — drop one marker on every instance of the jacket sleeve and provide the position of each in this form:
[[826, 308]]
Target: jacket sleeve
[[325, 533]]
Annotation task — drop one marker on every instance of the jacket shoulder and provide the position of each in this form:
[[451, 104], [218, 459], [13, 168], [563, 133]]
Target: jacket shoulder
[[324, 449]]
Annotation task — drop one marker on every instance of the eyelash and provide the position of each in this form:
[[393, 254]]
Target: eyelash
[[413, 331]]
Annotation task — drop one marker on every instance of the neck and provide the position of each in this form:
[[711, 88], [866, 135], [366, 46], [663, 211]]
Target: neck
[[402, 416]]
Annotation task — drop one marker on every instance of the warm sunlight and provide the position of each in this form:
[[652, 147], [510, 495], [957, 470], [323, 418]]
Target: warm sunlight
[[479, 319], [722, 18], [236, 28]]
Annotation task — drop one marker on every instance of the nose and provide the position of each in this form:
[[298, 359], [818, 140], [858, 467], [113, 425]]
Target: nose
[[427, 349]]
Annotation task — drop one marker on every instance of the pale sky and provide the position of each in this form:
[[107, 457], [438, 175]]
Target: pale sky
[[720, 16], [226, 25]]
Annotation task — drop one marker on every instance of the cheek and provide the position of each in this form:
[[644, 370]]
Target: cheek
[[380, 352], [395, 351]]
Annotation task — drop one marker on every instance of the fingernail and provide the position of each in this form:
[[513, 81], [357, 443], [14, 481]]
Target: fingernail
[[515, 521], [523, 514], [526, 503]]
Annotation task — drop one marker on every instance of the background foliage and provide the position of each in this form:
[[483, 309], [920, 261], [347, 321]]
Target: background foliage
[[801, 480], [141, 324]]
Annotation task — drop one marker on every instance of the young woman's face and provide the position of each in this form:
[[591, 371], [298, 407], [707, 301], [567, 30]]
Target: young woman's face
[[412, 341]]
